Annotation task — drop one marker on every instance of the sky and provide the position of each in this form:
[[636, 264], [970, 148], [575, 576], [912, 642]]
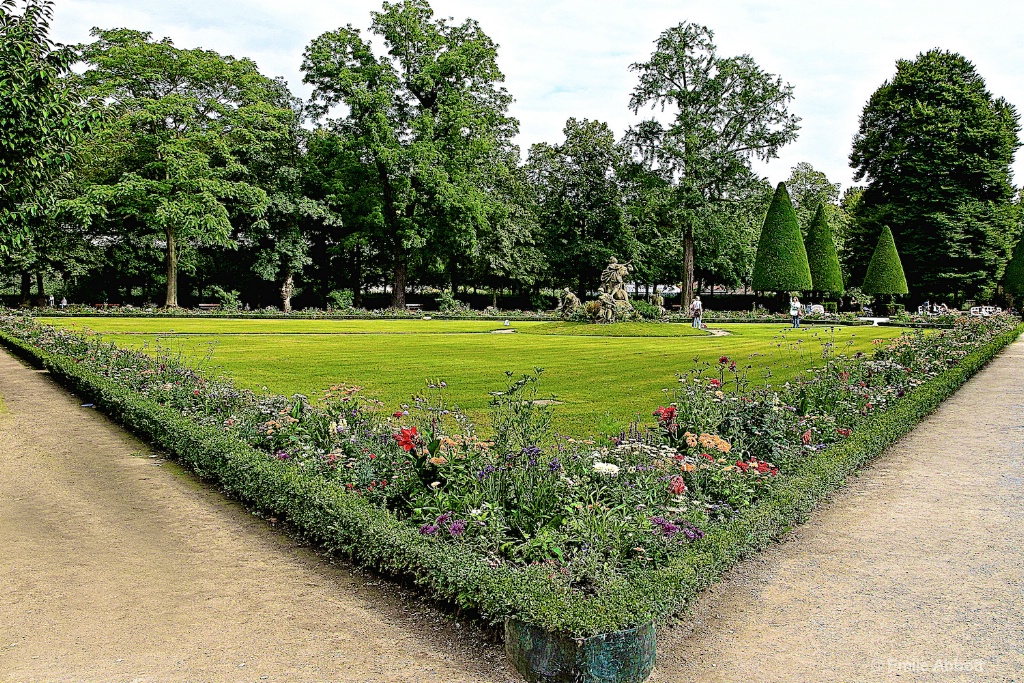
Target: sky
[[570, 58]]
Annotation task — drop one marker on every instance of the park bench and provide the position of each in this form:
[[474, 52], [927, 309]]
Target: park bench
[[413, 307], [209, 307], [106, 306]]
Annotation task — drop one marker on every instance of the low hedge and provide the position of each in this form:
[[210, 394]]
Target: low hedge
[[326, 515]]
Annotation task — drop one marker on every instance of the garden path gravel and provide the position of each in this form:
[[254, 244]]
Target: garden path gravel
[[122, 568], [115, 566]]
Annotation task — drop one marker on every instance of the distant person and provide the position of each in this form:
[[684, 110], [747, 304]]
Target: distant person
[[63, 302], [51, 301], [697, 312], [795, 309]]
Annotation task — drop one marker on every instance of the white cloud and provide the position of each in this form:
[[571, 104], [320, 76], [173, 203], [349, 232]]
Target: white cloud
[[571, 57]]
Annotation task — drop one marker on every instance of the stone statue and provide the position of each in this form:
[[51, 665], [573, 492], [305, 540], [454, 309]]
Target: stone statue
[[614, 299], [658, 301], [568, 303]]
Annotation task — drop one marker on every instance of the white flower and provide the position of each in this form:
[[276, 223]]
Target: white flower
[[606, 468]]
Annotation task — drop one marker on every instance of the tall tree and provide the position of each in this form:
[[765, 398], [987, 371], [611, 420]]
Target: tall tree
[[885, 273], [826, 276], [39, 117], [935, 147], [165, 161], [781, 264], [425, 118], [724, 112], [580, 204]]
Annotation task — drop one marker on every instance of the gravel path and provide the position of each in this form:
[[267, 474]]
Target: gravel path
[[115, 566], [119, 567]]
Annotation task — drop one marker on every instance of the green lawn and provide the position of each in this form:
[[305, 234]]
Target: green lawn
[[604, 375]]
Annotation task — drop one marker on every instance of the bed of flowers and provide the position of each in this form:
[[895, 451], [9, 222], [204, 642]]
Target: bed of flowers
[[588, 535]]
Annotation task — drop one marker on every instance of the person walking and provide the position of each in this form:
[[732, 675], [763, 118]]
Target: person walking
[[696, 312], [795, 309]]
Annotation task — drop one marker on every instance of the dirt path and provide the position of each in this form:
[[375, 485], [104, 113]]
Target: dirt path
[[118, 567], [121, 568], [914, 573]]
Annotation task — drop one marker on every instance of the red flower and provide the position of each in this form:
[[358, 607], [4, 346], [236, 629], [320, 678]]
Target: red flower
[[397, 413], [806, 437], [709, 457], [406, 438], [715, 383], [677, 486], [742, 465], [723, 360], [665, 415], [842, 431], [762, 467]]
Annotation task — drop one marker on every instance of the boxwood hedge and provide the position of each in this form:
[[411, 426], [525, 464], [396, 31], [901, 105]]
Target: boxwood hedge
[[324, 514]]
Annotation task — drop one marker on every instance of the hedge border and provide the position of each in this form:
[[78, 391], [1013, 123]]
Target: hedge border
[[324, 514]]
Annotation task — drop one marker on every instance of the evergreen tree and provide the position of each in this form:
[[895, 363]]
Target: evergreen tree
[[781, 262], [885, 271], [826, 276], [1013, 280]]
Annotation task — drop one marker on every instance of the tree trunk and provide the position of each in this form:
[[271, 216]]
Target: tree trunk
[[398, 283], [687, 293], [171, 301], [357, 278], [26, 289], [41, 299], [286, 293]]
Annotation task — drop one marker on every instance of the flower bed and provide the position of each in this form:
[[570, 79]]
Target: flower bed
[[573, 536]]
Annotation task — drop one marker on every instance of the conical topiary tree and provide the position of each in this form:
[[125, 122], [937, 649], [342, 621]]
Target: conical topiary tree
[[781, 263], [885, 271], [1013, 279], [826, 276]]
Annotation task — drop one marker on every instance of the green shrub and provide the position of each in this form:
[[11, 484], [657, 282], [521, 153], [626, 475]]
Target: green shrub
[[831, 307], [826, 276], [341, 299], [646, 310], [1013, 279], [885, 272], [781, 263]]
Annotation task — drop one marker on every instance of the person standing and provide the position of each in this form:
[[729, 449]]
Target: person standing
[[795, 309], [63, 302], [696, 312], [51, 301]]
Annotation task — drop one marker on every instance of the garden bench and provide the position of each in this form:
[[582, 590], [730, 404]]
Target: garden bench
[[413, 307], [209, 307]]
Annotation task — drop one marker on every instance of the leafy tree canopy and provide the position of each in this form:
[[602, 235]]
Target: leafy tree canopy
[[722, 111], [935, 147]]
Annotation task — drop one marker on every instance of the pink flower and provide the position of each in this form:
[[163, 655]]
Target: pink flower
[[677, 486]]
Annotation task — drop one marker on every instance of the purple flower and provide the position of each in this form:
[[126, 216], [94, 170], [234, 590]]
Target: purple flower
[[282, 455], [457, 527], [485, 472], [428, 529], [554, 466], [443, 518]]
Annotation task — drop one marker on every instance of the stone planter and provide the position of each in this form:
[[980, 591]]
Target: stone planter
[[546, 657]]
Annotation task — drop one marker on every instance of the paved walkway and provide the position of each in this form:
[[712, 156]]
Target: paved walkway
[[118, 567]]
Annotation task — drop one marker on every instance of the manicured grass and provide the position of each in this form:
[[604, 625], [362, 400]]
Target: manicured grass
[[604, 382]]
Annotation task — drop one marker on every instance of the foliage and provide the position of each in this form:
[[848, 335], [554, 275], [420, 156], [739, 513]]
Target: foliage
[[647, 310], [1013, 279], [885, 271], [935, 147], [781, 264], [165, 162], [423, 125], [826, 275], [39, 117], [724, 112]]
